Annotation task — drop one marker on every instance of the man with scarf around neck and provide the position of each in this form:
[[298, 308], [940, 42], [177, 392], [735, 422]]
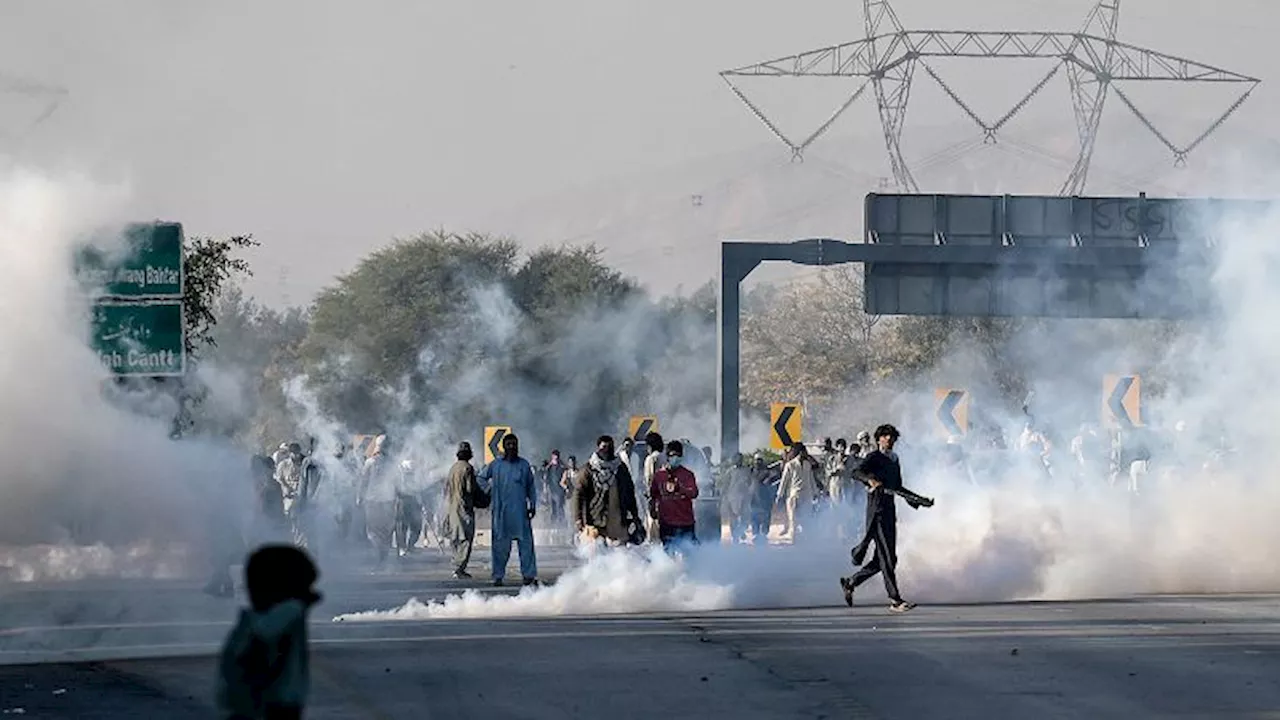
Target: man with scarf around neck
[[513, 501], [604, 498]]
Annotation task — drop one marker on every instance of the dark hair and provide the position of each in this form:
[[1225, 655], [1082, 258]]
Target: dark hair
[[653, 440], [842, 443], [888, 431], [799, 448], [675, 446], [555, 453], [276, 573], [604, 439]]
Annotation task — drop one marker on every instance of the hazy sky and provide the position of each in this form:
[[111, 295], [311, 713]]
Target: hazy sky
[[326, 128]]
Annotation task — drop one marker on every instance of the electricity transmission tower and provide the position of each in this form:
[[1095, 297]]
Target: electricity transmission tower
[[1093, 60]]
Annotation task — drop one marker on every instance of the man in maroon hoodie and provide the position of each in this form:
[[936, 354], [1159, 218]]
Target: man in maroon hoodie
[[671, 495]]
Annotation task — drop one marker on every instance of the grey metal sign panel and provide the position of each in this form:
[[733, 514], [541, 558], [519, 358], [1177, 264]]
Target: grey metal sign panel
[[902, 219], [1079, 292], [1107, 222], [1051, 221], [1039, 221], [970, 219], [973, 296], [1107, 257]]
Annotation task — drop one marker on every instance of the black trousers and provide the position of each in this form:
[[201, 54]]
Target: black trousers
[[884, 561], [671, 535], [408, 521]]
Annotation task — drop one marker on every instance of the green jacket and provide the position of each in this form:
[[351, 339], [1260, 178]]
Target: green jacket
[[264, 661]]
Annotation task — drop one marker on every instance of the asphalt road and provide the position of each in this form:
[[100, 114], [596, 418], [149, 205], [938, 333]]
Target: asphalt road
[[133, 649]]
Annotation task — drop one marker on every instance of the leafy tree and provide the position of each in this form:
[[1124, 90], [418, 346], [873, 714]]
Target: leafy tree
[[701, 304], [553, 283], [809, 341], [261, 346], [369, 329], [209, 265], [454, 328], [385, 309]]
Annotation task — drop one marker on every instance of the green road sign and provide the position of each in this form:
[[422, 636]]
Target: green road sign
[[147, 264], [140, 339]]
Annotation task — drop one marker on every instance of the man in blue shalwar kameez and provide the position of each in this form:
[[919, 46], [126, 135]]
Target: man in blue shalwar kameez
[[511, 485]]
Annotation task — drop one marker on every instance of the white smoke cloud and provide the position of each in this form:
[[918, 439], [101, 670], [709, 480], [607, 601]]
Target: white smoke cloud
[[608, 581], [1191, 528], [564, 401], [84, 463], [1014, 533]]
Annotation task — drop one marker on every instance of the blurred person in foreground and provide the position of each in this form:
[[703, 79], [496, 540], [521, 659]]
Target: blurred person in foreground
[[514, 502], [671, 497], [263, 671], [882, 473]]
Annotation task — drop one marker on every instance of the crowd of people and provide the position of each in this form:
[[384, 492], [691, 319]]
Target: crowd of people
[[1124, 459], [628, 495], [263, 664], [373, 499], [376, 499]]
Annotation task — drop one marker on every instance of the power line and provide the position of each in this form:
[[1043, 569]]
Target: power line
[[1095, 62]]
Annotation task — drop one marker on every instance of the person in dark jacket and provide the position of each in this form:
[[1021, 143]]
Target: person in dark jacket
[[263, 669], [882, 474], [604, 498], [671, 496]]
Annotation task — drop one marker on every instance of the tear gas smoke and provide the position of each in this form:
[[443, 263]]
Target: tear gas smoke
[[467, 377], [81, 470], [1192, 527], [609, 581], [88, 468], [38, 563], [1009, 531]]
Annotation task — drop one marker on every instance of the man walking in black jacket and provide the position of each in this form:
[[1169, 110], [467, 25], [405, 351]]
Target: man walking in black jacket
[[882, 474]]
